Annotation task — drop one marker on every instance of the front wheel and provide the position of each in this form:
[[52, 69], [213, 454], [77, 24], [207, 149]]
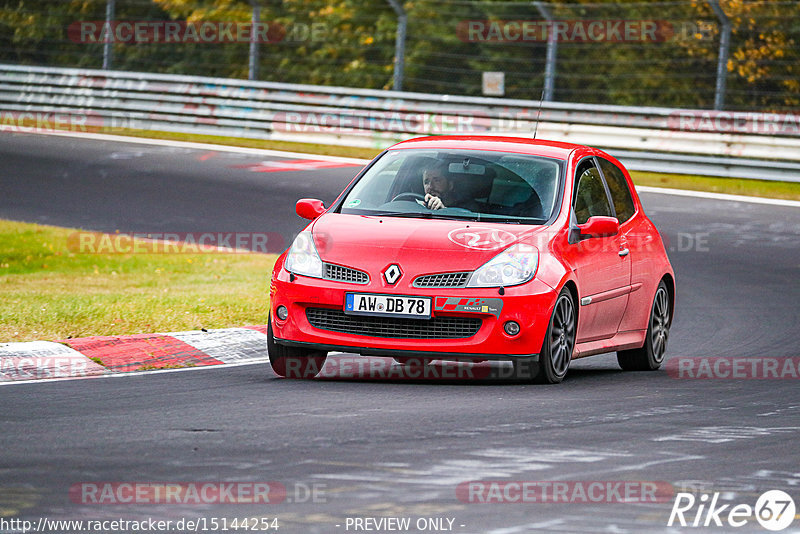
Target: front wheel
[[559, 342], [293, 362], [651, 354]]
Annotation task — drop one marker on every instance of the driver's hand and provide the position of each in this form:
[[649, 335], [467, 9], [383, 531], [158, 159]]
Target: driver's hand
[[433, 203]]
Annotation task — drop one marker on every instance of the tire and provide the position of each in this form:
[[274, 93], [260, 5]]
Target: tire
[[292, 362], [650, 356], [557, 348]]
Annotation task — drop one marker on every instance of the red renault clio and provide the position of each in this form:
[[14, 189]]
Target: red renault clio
[[471, 249]]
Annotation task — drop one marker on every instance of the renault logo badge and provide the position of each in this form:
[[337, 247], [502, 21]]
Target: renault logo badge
[[392, 274]]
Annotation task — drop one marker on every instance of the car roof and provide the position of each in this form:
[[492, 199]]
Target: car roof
[[520, 145]]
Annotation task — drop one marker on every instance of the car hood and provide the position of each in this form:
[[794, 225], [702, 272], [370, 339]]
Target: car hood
[[418, 246]]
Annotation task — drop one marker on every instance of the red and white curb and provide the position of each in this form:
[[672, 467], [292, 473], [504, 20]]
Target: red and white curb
[[110, 355]]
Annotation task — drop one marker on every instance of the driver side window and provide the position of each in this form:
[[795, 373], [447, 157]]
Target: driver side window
[[590, 193]]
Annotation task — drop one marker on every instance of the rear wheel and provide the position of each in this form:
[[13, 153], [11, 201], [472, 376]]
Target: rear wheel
[[293, 362], [559, 342], [651, 354]]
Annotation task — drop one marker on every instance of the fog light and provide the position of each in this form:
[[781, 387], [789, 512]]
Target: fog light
[[511, 328], [282, 313]]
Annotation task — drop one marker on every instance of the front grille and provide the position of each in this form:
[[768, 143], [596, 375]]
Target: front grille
[[433, 328], [345, 274], [442, 280]]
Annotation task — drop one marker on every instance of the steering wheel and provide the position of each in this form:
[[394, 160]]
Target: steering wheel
[[409, 196]]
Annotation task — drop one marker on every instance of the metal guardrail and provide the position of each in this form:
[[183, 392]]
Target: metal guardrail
[[746, 145]]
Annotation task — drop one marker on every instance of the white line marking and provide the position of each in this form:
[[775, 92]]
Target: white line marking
[[149, 372], [304, 155], [204, 146], [136, 373], [281, 154], [718, 196], [358, 161], [527, 528]]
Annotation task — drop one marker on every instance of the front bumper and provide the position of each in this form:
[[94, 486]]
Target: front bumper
[[529, 304], [399, 353]]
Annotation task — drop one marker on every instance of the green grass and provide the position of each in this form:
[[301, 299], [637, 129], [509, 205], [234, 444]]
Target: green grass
[[732, 186], [150, 367], [266, 144], [49, 291]]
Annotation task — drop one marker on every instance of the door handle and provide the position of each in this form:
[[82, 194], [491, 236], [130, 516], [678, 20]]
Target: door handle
[[624, 252]]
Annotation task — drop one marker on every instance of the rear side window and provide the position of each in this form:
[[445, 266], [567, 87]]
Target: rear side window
[[618, 187], [590, 194]]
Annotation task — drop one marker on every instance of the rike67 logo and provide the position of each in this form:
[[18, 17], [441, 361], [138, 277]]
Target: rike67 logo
[[774, 510]]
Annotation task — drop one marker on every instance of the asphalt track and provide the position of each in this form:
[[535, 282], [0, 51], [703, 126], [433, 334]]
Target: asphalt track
[[376, 448]]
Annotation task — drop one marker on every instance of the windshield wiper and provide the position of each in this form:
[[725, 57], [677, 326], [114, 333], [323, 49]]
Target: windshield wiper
[[407, 214], [427, 215], [479, 217], [460, 216]]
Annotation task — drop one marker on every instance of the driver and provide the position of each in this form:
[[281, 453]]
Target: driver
[[440, 190]]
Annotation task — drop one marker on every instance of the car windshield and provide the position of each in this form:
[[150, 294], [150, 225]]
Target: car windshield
[[468, 184]]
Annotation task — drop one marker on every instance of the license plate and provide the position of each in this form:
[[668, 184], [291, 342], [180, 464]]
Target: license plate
[[387, 305]]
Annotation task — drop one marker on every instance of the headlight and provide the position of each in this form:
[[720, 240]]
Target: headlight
[[516, 265], [303, 257]]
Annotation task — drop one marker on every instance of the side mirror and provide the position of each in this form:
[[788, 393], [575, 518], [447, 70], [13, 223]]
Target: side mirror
[[599, 227], [309, 208]]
